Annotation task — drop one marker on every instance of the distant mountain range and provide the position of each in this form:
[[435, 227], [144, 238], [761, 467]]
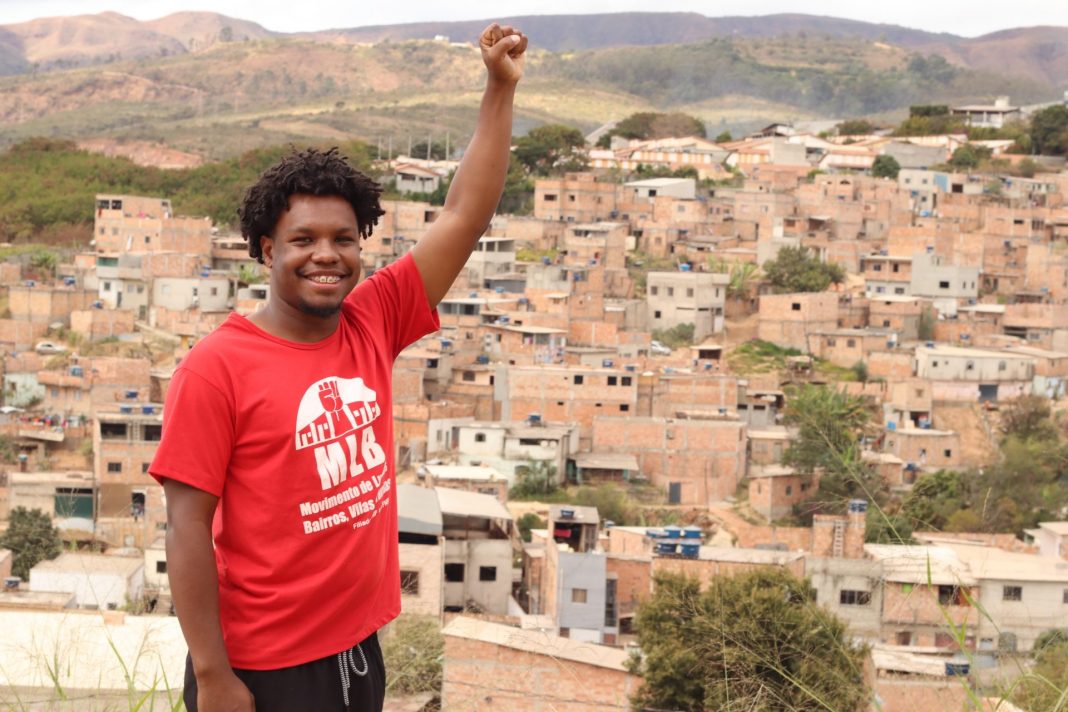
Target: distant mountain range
[[200, 82], [1036, 52]]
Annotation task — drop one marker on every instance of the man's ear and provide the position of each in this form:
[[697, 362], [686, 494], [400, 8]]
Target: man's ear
[[267, 250]]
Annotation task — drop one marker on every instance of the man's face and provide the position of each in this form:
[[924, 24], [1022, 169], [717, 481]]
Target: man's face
[[314, 254]]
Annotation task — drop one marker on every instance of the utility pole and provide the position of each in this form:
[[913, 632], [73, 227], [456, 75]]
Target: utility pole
[[429, 143]]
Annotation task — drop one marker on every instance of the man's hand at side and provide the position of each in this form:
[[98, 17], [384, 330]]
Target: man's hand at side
[[195, 588]]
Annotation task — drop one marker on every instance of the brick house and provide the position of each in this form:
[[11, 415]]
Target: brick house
[[787, 319], [490, 664]]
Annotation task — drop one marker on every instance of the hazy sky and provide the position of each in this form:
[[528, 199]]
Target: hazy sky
[[962, 17]]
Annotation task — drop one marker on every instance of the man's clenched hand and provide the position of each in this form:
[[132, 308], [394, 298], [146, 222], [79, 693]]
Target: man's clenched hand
[[503, 51]]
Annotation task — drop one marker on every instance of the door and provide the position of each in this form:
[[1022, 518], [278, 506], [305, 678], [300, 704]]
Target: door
[[674, 493]]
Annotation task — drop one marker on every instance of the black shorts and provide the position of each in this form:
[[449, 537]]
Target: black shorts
[[317, 686]]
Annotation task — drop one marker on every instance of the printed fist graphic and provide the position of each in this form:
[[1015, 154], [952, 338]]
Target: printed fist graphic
[[329, 396]]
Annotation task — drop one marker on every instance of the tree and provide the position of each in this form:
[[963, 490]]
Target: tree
[[753, 641], [885, 166], [551, 149], [651, 125], [677, 337], [1049, 131], [830, 425], [795, 269], [968, 157], [724, 137], [1029, 417], [31, 538], [935, 498], [742, 276], [528, 521], [537, 478], [855, 127]]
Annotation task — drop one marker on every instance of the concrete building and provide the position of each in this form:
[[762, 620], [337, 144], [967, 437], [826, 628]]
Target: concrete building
[[421, 550], [97, 581], [130, 509], [698, 298], [934, 278], [478, 533], [967, 374], [924, 589], [1021, 595]]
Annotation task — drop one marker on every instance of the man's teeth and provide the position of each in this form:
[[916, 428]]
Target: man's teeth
[[331, 279]]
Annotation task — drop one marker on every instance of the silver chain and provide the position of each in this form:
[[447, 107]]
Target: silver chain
[[345, 661]]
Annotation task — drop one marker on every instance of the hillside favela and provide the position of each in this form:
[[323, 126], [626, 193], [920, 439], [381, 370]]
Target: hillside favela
[[752, 396]]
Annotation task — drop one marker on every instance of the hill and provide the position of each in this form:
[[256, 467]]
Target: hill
[[234, 96]]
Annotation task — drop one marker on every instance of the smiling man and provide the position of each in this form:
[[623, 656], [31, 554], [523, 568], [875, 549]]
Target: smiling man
[[277, 440]]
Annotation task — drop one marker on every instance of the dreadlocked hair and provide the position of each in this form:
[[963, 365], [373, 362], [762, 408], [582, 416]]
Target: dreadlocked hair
[[308, 172]]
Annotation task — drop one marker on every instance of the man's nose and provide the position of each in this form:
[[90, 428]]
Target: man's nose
[[325, 251]]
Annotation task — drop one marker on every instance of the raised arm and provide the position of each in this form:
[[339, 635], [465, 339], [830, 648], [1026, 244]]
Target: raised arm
[[476, 187], [195, 588]]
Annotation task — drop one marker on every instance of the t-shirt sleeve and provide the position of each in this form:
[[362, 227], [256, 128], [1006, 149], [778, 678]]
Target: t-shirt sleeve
[[198, 434], [394, 300]]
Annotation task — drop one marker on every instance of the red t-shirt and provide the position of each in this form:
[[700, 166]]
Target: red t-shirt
[[297, 441]]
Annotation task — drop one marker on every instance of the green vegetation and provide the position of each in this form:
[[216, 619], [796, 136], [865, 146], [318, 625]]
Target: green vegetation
[[885, 166], [1027, 483], [855, 127], [832, 76], [51, 184], [796, 269], [413, 649], [759, 357], [1049, 131], [527, 522], [1046, 687], [968, 157], [748, 642], [652, 125], [677, 337], [535, 480], [551, 150], [31, 538]]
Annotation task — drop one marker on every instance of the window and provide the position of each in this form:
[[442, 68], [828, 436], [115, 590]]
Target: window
[[1002, 365], [626, 381], [850, 343], [876, 267], [796, 306], [112, 431], [671, 291], [947, 452], [144, 468], [656, 315], [578, 380], [943, 285], [613, 380], [854, 598], [550, 198], [906, 588], [480, 437], [114, 467], [689, 291], [468, 376], [624, 407], [789, 489], [831, 341], [152, 432], [951, 596], [1064, 596], [578, 595], [487, 573], [1012, 593], [454, 573], [161, 567], [409, 583], [654, 290]]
